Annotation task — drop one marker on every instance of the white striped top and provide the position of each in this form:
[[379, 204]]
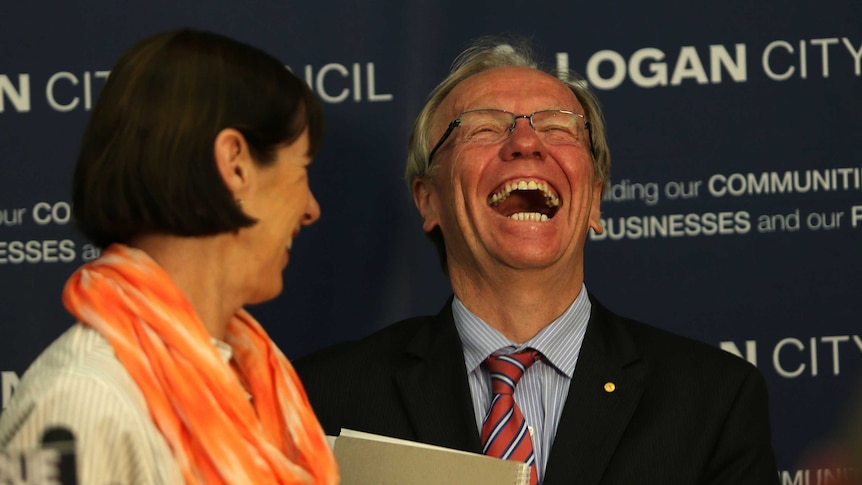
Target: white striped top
[[541, 393], [77, 383]]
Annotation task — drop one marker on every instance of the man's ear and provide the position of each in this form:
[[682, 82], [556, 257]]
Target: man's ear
[[596, 208], [233, 160], [423, 193]]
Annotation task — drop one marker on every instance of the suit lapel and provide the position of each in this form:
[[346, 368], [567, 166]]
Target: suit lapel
[[596, 413], [434, 387]]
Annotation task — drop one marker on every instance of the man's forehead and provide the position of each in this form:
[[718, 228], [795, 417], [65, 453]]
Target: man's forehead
[[508, 87]]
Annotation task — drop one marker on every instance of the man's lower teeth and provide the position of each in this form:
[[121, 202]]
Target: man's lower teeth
[[529, 216]]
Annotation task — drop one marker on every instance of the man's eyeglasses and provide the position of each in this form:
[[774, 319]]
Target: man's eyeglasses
[[489, 126]]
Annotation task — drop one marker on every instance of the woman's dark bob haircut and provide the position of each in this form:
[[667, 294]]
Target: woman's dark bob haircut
[[147, 158]]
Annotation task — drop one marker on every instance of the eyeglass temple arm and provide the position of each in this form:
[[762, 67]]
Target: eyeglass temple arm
[[443, 138], [589, 128]]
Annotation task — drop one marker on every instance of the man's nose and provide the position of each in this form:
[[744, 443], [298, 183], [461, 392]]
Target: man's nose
[[523, 142]]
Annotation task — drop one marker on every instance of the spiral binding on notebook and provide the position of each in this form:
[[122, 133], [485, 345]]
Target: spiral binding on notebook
[[523, 477]]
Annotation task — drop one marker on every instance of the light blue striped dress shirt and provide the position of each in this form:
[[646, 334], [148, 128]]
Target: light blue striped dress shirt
[[542, 391]]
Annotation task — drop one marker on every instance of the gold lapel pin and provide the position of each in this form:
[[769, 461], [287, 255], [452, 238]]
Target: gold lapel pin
[[610, 387]]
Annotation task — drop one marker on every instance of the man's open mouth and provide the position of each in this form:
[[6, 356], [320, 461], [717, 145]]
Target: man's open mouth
[[525, 200]]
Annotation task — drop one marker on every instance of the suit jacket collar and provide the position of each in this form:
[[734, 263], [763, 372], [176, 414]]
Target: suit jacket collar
[[606, 387], [434, 386]]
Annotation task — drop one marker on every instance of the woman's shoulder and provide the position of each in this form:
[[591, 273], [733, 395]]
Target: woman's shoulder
[[79, 359]]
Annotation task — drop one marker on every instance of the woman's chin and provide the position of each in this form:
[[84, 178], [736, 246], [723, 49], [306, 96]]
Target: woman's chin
[[267, 292]]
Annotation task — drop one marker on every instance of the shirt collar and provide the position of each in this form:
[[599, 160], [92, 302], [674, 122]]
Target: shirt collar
[[224, 350], [559, 342]]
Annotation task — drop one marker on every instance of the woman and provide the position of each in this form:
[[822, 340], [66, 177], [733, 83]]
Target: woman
[[192, 176]]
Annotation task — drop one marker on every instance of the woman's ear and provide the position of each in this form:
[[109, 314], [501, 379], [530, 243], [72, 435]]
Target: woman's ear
[[233, 160]]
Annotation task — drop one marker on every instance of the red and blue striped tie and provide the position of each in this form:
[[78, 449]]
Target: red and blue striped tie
[[504, 431]]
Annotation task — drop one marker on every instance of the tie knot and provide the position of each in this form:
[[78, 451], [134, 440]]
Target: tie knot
[[507, 370]]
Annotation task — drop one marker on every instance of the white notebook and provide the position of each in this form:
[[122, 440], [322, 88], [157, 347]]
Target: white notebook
[[370, 459]]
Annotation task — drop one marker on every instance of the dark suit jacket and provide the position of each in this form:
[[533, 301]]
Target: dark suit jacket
[[682, 412]]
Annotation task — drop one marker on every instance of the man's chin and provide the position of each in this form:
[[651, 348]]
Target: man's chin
[[530, 257]]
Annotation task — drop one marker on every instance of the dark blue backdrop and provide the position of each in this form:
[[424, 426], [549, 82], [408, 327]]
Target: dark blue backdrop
[[720, 116]]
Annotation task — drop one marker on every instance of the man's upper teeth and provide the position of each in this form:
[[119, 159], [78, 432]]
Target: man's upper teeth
[[550, 199]]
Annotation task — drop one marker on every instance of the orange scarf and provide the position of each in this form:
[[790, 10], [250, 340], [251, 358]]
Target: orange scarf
[[195, 398]]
